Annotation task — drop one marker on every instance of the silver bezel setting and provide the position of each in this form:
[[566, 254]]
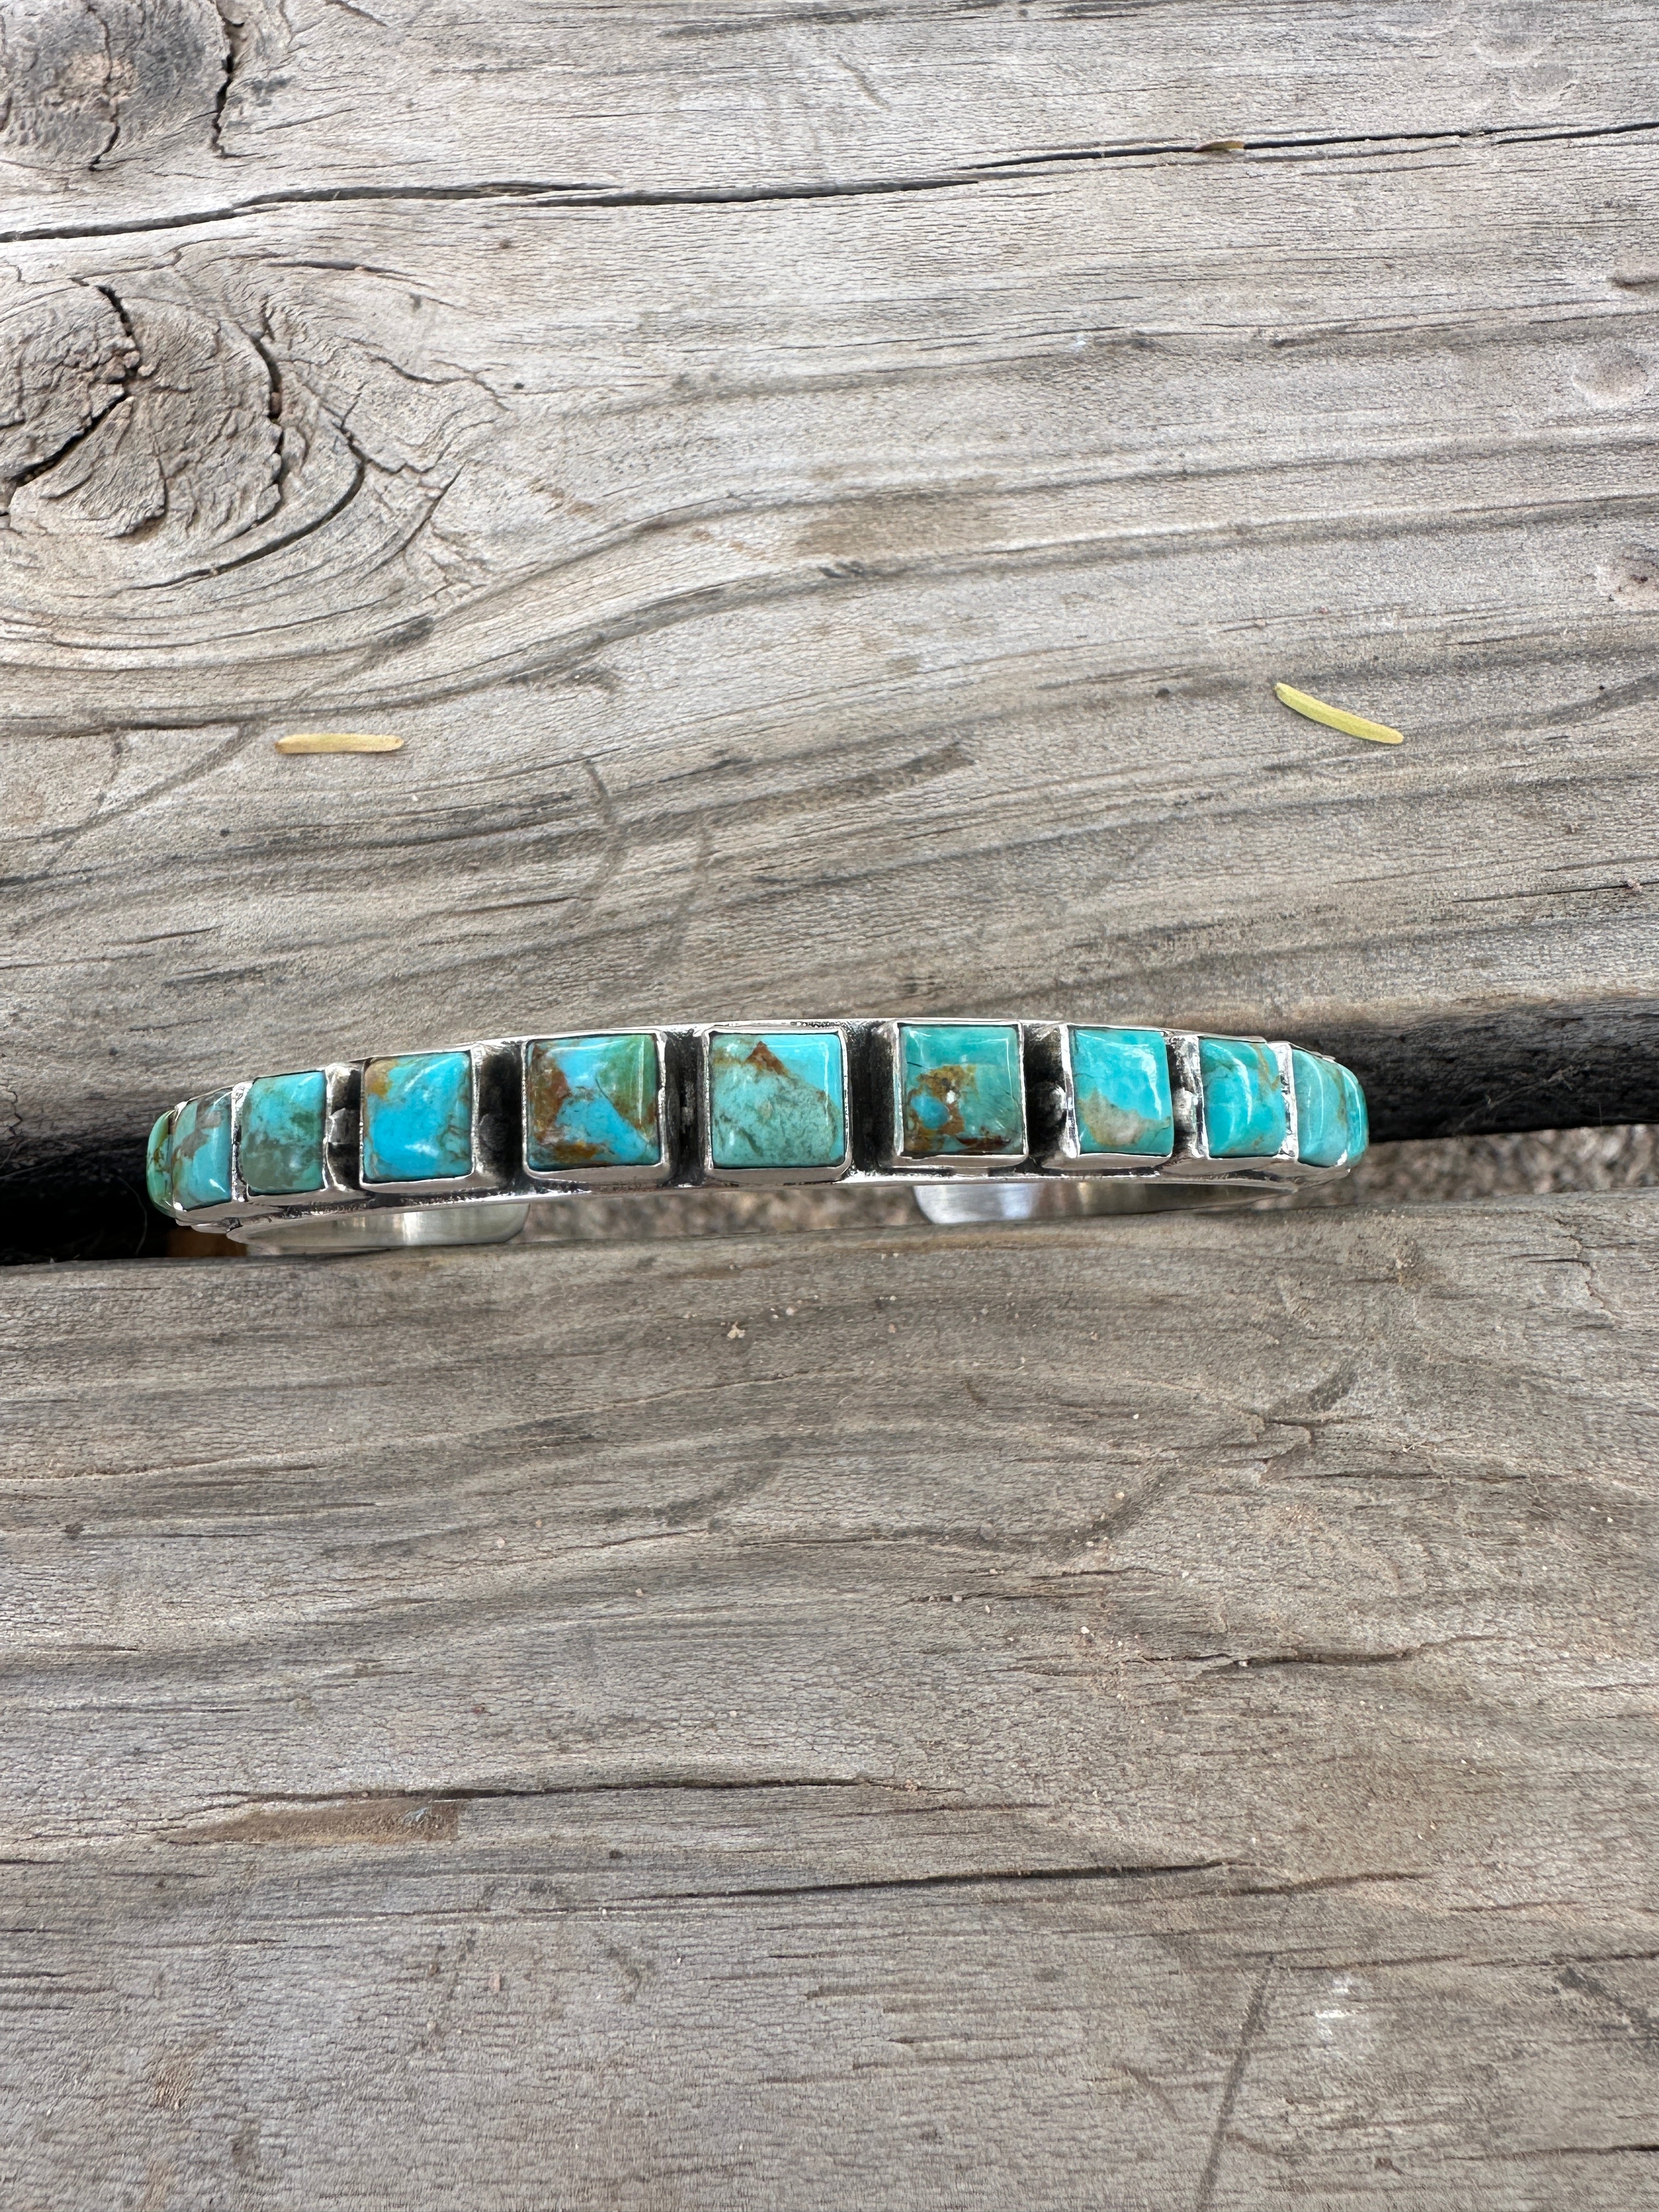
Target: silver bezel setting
[[341, 1086], [1065, 1155], [489, 1170], [1287, 1053], [573, 1179], [768, 1178], [1193, 1161], [208, 1219], [908, 1166]]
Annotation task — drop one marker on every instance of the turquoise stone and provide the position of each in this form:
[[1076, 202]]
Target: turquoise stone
[[1323, 1134], [201, 1152], [591, 1101], [158, 1172], [417, 1118], [1359, 1120], [962, 1088], [776, 1101], [280, 1136], [1244, 1115], [1121, 1080]]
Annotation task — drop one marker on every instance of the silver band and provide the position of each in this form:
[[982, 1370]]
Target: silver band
[[455, 1146]]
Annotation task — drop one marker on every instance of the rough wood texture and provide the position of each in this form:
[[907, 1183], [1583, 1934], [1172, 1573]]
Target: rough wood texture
[[825, 492], [1153, 1714]]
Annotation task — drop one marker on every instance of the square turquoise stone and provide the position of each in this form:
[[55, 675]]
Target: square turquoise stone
[[1321, 1110], [158, 1167], [591, 1101], [777, 1099], [201, 1152], [280, 1139], [1244, 1115], [1120, 1083], [417, 1118], [961, 1089]]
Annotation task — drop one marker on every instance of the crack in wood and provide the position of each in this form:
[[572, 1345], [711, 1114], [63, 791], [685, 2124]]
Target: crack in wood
[[554, 193], [968, 1878], [236, 42]]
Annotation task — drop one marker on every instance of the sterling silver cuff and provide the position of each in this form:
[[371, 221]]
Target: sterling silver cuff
[[454, 1147]]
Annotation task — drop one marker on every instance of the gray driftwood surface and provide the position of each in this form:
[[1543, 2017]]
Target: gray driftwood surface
[[1145, 1714], [825, 492]]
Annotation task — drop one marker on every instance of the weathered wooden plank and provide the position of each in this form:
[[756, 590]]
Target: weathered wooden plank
[[1146, 1712], [855, 600], [632, 2002], [215, 108]]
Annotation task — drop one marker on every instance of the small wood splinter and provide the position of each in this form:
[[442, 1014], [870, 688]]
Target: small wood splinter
[[1338, 718], [337, 741]]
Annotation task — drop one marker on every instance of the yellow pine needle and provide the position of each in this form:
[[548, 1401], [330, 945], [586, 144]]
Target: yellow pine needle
[[337, 741], [1338, 718]]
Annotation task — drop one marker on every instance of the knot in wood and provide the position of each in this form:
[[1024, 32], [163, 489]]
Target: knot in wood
[[146, 423], [186, 458], [85, 82]]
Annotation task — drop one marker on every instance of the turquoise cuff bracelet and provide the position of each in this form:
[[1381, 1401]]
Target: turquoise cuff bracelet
[[455, 1146]]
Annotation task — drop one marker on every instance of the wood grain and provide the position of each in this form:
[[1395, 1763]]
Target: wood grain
[[825, 498], [1148, 1712]]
